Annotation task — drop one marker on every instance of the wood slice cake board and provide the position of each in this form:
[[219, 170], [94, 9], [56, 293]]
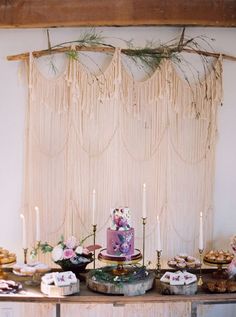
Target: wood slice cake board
[[132, 288]]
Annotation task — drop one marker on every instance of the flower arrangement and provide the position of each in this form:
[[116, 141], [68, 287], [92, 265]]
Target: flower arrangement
[[233, 244], [232, 266], [70, 254]]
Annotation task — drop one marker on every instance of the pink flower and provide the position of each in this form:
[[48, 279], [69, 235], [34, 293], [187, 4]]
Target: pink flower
[[68, 253], [71, 242], [232, 268], [86, 251]]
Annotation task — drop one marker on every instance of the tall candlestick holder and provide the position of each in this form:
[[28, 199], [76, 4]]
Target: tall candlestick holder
[[158, 270], [200, 281], [25, 255], [144, 224], [94, 242]]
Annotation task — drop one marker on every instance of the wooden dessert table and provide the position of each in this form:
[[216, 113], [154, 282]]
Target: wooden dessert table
[[109, 305]]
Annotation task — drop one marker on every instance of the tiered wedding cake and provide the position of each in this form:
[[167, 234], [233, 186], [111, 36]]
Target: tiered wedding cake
[[120, 235]]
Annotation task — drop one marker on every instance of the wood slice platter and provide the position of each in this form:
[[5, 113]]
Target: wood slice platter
[[120, 285]]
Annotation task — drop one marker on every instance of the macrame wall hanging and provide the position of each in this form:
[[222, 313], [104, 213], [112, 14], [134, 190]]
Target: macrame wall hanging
[[113, 134]]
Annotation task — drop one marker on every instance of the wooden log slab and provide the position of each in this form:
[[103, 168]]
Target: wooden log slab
[[131, 288]]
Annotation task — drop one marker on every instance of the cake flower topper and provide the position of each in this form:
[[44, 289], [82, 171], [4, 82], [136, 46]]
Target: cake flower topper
[[120, 219]]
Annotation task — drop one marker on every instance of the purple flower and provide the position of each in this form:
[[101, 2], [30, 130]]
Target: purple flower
[[116, 247], [71, 242], [124, 247], [123, 223], [68, 253]]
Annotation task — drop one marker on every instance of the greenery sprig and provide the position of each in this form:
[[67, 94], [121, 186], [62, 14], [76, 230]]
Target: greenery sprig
[[105, 274], [148, 57]]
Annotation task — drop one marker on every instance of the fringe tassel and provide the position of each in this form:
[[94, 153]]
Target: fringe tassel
[[113, 134]]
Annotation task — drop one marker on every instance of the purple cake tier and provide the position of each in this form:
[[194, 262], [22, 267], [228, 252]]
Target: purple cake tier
[[120, 242]]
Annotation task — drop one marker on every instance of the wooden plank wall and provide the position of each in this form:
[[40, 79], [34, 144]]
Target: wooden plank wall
[[58, 13]]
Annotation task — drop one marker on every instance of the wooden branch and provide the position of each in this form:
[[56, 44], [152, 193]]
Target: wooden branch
[[105, 49], [210, 54], [41, 53]]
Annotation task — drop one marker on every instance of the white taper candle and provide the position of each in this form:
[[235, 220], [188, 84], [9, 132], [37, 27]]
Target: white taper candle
[[24, 243], [159, 248], [37, 223], [144, 209], [201, 247], [93, 207]]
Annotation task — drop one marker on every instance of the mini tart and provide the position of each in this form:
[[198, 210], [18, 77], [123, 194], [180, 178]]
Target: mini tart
[[5, 252], [212, 257], [191, 265], [172, 263], [6, 257], [229, 258], [191, 259], [181, 265], [221, 286], [7, 260], [179, 260], [231, 286], [220, 257]]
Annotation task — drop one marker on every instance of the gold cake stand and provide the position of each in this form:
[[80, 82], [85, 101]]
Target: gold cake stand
[[119, 261]]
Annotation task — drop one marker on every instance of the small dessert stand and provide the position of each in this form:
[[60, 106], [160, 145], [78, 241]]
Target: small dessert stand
[[33, 279], [121, 277], [3, 275], [220, 272]]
